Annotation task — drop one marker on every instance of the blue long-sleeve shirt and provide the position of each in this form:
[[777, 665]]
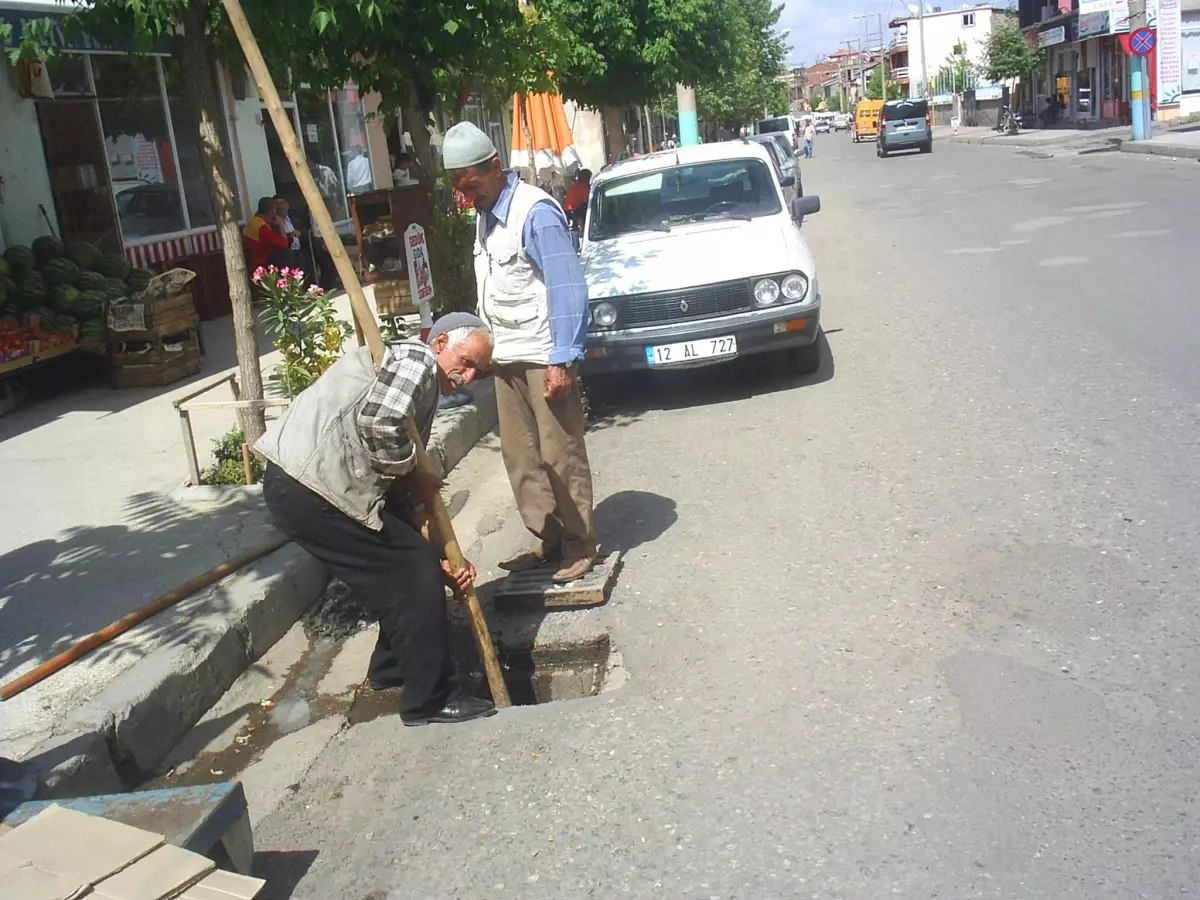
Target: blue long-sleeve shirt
[[547, 242]]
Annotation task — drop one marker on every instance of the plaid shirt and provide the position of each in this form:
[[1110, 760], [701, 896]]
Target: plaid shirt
[[407, 387]]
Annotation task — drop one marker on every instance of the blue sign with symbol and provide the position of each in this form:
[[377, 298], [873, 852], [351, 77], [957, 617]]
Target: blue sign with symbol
[[1141, 41]]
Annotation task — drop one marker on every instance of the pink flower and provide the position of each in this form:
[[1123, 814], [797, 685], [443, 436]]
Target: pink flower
[[298, 276], [257, 276], [316, 289], [281, 283]]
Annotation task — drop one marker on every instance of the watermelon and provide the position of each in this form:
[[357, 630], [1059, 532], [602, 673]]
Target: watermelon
[[139, 280], [62, 323], [115, 265], [115, 289], [5, 268], [62, 297], [20, 260], [43, 313], [47, 247], [8, 287], [93, 330], [60, 271], [4, 292], [90, 281], [30, 292], [85, 255]]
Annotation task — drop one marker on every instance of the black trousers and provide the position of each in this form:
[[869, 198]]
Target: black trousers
[[396, 576]]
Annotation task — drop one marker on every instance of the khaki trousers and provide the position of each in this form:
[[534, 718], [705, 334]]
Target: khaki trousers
[[544, 452]]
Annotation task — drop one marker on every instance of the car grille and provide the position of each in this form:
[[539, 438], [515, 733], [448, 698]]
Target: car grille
[[682, 306]]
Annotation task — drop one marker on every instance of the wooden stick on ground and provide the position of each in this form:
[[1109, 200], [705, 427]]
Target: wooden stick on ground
[[364, 319], [122, 625]]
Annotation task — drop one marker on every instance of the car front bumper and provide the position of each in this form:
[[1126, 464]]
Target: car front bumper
[[760, 331]]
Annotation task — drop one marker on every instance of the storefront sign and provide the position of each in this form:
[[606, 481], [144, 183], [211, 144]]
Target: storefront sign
[[1092, 24], [1052, 36], [1170, 62], [1116, 10], [420, 279], [310, 130]]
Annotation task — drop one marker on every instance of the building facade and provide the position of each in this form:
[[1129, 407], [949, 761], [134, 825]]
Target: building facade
[[923, 46]]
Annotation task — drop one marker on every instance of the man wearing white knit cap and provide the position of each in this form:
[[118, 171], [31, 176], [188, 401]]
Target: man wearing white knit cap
[[532, 294]]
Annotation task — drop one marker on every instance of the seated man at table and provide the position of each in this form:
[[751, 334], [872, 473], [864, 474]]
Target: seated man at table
[[265, 237]]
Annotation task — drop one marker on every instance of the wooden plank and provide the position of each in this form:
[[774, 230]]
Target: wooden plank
[[537, 586], [163, 873], [13, 364]]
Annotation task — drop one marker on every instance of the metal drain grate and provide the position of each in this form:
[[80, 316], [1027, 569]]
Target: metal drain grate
[[536, 585]]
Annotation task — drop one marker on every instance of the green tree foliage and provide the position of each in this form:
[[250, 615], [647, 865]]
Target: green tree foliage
[[745, 85], [623, 52], [1006, 55], [834, 103], [895, 90]]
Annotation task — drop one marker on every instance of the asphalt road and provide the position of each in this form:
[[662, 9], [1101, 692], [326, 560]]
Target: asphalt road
[[921, 626]]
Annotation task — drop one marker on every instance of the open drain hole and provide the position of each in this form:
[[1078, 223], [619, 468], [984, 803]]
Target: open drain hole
[[557, 672]]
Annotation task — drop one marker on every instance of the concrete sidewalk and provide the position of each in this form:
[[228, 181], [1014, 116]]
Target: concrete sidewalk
[[103, 529], [1177, 144], [1037, 137]]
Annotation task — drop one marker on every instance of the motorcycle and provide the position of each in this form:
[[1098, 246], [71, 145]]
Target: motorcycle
[[1009, 121]]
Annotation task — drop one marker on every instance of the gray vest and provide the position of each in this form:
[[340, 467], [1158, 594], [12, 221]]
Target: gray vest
[[316, 441]]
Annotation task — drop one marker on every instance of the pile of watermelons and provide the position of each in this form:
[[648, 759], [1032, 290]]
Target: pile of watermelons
[[66, 286]]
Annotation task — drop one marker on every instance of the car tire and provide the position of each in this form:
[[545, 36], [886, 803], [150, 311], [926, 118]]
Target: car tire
[[805, 360], [927, 148], [880, 152]]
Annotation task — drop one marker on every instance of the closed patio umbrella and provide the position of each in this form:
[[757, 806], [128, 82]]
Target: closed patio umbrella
[[540, 118]]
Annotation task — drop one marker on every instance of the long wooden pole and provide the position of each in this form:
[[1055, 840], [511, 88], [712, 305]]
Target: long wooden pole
[[122, 625], [365, 320]]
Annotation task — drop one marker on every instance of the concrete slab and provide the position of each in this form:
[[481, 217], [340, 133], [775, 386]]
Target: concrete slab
[[1037, 137]]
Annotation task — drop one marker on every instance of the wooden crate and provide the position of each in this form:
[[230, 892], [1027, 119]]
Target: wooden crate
[[158, 374], [157, 350], [173, 315], [394, 297]]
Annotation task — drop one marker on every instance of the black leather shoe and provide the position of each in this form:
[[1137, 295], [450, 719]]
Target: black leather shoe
[[459, 707]]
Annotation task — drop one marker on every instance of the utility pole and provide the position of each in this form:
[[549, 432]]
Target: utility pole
[[841, 81], [883, 58], [689, 124], [921, 37]]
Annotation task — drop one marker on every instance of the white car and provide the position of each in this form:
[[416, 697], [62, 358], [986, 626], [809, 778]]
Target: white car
[[693, 256]]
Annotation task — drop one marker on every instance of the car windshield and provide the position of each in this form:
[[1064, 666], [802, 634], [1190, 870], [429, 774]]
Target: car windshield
[[655, 201]]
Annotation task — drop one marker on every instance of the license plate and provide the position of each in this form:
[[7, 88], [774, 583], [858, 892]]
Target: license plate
[[689, 351]]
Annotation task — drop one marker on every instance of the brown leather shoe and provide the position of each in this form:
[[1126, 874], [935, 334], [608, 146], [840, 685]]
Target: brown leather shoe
[[574, 569], [527, 560]]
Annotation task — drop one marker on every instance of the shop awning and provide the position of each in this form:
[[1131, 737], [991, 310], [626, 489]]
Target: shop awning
[[553, 144]]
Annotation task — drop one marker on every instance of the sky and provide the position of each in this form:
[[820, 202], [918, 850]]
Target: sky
[[818, 27]]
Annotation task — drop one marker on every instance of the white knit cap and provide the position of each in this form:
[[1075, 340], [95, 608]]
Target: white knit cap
[[464, 146]]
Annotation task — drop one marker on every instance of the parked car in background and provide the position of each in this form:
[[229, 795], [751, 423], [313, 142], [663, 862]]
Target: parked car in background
[[905, 125], [842, 122], [693, 258], [776, 124], [784, 154], [823, 122], [866, 120]]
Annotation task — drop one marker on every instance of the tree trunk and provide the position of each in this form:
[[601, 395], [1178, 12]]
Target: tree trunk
[[416, 124], [614, 131], [201, 86]]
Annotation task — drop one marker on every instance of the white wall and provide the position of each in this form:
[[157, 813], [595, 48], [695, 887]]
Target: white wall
[[251, 138], [942, 31], [22, 166], [587, 127], [377, 142]]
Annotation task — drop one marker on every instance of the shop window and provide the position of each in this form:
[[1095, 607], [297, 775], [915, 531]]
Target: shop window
[[186, 123], [969, 20], [1190, 53], [351, 125], [138, 144], [322, 151]]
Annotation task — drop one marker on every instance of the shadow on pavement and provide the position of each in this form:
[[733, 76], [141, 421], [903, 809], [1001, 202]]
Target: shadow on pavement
[[54, 592], [284, 870], [628, 519], [618, 401]]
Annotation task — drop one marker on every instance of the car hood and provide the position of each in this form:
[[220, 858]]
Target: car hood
[[693, 255]]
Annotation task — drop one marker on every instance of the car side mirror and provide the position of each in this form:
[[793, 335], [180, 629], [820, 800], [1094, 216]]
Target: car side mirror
[[787, 181], [805, 206]]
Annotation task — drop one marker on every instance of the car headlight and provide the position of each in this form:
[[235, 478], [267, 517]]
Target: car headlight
[[766, 292], [794, 287], [604, 314]]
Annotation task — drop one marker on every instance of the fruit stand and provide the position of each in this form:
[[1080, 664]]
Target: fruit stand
[[54, 300]]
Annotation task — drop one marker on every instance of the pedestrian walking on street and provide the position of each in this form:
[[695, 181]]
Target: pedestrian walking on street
[[532, 294], [342, 481], [810, 135]]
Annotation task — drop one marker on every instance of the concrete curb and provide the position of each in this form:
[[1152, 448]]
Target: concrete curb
[[1026, 143], [132, 724], [1149, 148]]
